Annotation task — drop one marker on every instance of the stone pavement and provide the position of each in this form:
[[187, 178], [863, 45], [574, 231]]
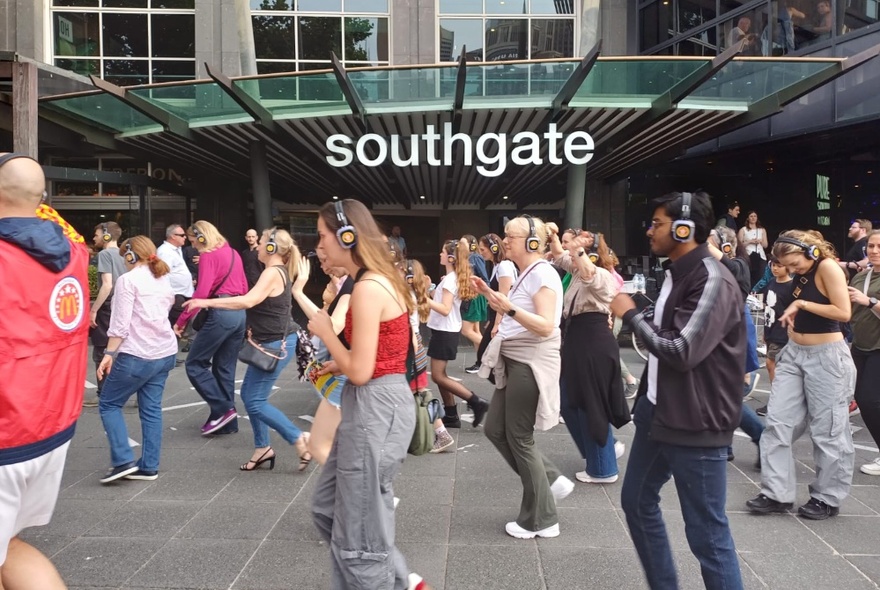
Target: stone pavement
[[205, 524]]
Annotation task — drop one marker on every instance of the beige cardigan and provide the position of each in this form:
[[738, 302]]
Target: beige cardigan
[[542, 356]]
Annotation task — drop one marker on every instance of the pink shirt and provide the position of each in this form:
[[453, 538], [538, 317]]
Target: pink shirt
[[140, 307], [213, 266]]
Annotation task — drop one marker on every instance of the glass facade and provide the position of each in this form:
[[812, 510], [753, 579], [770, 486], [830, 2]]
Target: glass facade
[[770, 27], [506, 30], [299, 35], [126, 42]]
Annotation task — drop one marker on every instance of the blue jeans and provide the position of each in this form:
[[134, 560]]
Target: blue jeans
[[601, 461], [701, 480], [213, 354], [255, 392], [752, 362], [128, 375]]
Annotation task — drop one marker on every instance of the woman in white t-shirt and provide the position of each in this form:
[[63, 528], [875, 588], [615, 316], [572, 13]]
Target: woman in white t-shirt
[[445, 324], [754, 237], [503, 274], [524, 360]]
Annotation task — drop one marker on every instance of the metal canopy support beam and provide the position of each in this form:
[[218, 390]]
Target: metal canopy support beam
[[250, 105], [348, 90], [24, 108], [575, 80], [171, 122], [460, 83]]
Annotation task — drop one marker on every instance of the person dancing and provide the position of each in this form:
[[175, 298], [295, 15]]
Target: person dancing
[[503, 274], [354, 494], [270, 326]]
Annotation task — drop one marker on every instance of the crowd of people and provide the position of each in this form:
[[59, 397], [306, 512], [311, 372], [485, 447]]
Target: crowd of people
[[527, 302]]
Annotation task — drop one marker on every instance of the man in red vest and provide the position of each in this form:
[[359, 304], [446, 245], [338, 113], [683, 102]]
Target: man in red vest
[[43, 347]]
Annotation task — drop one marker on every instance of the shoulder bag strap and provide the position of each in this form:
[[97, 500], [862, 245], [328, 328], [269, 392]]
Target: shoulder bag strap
[[226, 276]]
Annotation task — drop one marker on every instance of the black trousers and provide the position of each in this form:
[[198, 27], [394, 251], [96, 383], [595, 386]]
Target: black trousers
[[487, 334], [867, 393]]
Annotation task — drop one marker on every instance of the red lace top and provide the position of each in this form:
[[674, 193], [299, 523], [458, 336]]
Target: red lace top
[[394, 339]]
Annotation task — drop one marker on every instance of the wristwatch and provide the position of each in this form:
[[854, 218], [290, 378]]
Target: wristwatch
[[873, 302], [511, 312]]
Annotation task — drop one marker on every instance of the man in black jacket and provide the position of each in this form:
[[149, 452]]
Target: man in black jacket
[[690, 397]]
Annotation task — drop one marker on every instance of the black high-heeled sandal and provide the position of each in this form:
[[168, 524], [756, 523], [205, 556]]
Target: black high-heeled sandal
[[263, 458], [305, 457]]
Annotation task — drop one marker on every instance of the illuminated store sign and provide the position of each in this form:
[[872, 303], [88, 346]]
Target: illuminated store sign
[[490, 150], [823, 200]]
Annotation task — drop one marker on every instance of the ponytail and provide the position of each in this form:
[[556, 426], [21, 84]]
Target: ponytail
[[157, 266], [463, 272], [421, 290]]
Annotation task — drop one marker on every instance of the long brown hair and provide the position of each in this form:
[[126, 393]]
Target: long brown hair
[[144, 249], [491, 240], [371, 250], [809, 237], [462, 268], [420, 288]]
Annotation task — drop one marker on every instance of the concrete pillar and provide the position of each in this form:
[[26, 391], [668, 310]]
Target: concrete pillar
[[574, 195], [24, 108], [605, 205], [260, 186]]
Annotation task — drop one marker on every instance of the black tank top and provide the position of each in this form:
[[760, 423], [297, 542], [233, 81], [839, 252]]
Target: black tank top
[[809, 323], [270, 320]]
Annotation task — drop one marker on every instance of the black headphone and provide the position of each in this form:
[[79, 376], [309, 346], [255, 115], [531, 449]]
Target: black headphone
[[346, 234], [271, 246], [200, 237], [410, 272], [811, 252], [533, 243], [130, 256], [683, 228], [106, 237], [494, 248], [725, 247]]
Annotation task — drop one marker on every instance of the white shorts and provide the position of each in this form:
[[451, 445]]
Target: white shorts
[[28, 492]]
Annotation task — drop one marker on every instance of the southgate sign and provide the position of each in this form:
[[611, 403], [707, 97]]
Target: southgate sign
[[491, 153]]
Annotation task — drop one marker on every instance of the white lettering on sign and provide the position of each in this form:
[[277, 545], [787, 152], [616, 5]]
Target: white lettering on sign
[[490, 150]]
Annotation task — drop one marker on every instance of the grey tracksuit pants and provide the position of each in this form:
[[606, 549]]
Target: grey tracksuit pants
[[812, 389], [353, 506]]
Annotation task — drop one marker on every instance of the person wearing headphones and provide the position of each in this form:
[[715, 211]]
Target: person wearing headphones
[[690, 396], [815, 377], [141, 351], [110, 268]]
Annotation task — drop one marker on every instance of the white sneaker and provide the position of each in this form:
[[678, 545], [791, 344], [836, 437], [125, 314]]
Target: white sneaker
[[619, 448], [561, 488], [514, 530], [872, 468], [415, 582], [586, 478]]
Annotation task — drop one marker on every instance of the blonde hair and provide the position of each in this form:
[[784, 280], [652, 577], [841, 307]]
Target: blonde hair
[[462, 268], [809, 237], [213, 238], [522, 223], [145, 250], [420, 289], [286, 248], [371, 250]]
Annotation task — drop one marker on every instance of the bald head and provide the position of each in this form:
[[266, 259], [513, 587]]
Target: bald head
[[21, 187]]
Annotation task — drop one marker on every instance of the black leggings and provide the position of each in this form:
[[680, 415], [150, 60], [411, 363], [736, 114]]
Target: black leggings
[[867, 393], [487, 334]]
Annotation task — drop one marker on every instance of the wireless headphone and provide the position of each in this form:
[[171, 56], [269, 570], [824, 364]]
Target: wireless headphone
[[410, 272], [494, 248], [472, 244], [200, 237], [683, 228], [533, 243], [346, 234], [106, 233], [811, 252], [130, 256], [725, 247], [271, 246]]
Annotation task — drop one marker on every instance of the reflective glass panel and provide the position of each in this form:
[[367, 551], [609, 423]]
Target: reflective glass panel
[[461, 6], [177, 4], [126, 72], [172, 71], [272, 67], [319, 5], [655, 25], [274, 36], [83, 67], [371, 86], [124, 3], [506, 6], [456, 33], [298, 96], [318, 36], [366, 5], [173, 35], [856, 15], [366, 39], [75, 2], [728, 5], [507, 39], [272, 4], [76, 34], [105, 111], [551, 6], [693, 13], [125, 35], [193, 102], [746, 27], [552, 38], [632, 83]]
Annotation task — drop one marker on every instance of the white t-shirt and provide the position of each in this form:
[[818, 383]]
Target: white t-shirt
[[754, 234], [452, 321], [532, 279], [505, 268]]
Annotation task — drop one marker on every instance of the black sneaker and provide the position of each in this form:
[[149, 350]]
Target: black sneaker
[[142, 475], [452, 421], [119, 472], [764, 505], [479, 407], [473, 368], [817, 510], [762, 411]]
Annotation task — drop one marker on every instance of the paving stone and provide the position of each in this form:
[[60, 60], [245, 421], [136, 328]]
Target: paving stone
[[282, 565], [195, 563], [233, 521], [494, 568], [105, 561], [848, 534], [159, 520], [800, 570], [177, 485]]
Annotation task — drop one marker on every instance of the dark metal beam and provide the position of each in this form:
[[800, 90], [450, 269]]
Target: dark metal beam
[[250, 105], [348, 90], [575, 80], [86, 175], [460, 83], [171, 122]]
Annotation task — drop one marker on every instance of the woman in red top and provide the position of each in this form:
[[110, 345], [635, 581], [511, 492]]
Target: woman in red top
[[354, 492]]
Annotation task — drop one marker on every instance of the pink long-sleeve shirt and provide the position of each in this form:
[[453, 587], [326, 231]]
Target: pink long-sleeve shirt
[[212, 268], [139, 315]]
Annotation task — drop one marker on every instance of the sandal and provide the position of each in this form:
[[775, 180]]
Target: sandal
[[251, 465], [305, 457]]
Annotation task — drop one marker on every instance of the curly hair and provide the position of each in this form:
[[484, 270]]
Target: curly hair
[[809, 237]]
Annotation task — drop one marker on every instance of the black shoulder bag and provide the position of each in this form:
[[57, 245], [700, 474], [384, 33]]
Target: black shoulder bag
[[259, 356]]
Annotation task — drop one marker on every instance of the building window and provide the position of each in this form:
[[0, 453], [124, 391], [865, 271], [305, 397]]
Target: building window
[[506, 30], [299, 35], [126, 42]]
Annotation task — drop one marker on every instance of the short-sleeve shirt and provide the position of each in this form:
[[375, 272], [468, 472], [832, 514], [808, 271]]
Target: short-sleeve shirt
[[505, 268], [865, 325], [452, 321], [533, 278], [779, 296], [858, 252], [109, 261]]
